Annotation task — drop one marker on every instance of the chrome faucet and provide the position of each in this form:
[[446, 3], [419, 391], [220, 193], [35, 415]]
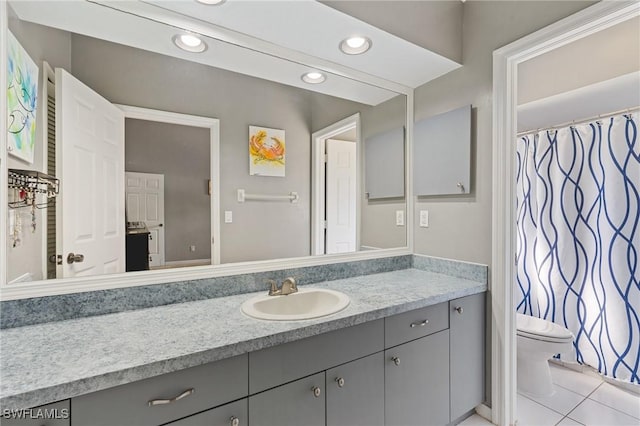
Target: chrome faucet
[[288, 286]]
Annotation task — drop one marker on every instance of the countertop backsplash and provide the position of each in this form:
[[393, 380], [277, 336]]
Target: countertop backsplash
[[39, 310]]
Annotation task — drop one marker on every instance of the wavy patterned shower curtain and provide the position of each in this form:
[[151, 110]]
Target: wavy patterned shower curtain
[[578, 238]]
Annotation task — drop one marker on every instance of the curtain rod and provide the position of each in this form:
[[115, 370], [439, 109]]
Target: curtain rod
[[574, 122]]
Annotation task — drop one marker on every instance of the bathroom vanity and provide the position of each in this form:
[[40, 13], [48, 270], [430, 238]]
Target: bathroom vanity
[[408, 350]]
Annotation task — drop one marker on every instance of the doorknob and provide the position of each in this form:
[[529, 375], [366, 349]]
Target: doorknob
[[75, 258]]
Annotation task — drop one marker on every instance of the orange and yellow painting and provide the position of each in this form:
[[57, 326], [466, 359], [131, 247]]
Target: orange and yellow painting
[[266, 151]]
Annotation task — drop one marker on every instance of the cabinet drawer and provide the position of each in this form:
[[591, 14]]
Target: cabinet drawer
[[281, 364], [211, 384], [414, 324], [233, 414], [56, 414]]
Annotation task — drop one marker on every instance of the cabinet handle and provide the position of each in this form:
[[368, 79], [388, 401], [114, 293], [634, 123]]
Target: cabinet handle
[[235, 421], [460, 310], [316, 391], [340, 381], [419, 323], [174, 399], [395, 360]]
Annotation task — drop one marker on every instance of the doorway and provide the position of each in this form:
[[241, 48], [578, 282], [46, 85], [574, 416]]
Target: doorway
[[191, 200], [506, 60], [336, 190]]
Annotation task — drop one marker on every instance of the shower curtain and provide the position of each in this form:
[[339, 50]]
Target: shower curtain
[[578, 238]]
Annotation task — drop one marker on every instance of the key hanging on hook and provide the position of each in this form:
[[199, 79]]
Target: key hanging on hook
[[33, 213]]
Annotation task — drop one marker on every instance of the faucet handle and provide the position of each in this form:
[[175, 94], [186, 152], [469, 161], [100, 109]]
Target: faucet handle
[[292, 283], [273, 287]]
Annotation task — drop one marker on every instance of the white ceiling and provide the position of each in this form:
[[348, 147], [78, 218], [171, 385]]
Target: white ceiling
[[316, 29], [305, 28]]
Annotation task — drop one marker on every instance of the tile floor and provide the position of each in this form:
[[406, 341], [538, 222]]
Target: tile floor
[[580, 399]]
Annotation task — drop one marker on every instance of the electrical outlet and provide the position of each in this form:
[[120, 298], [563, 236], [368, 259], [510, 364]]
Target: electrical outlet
[[424, 218], [228, 216], [399, 218], [192, 248]]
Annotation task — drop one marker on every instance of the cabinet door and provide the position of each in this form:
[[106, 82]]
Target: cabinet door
[[355, 393], [56, 414], [300, 403], [233, 414], [417, 382], [467, 328], [442, 153], [384, 164]]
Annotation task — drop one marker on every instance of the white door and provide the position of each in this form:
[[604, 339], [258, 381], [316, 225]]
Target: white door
[[340, 196], [145, 203], [90, 158]]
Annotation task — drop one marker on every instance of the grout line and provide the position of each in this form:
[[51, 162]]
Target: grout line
[[541, 404]]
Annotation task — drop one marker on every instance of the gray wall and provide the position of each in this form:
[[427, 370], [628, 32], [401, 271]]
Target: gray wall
[[260, 230], [377, 217], [181, 154], [41, 43], [460, 226], [606, 54]]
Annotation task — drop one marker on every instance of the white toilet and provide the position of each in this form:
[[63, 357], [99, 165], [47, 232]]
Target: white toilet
[[538, 340]]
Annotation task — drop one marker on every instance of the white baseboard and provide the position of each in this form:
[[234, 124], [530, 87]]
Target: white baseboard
[[184, 263], [484, 412]]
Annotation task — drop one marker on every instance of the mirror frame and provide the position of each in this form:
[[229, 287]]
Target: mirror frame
[[133, 279]]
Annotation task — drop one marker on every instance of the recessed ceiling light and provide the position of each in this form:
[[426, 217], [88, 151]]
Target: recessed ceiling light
[[211, 2], [355, 45], [313, 77], [190, 43]]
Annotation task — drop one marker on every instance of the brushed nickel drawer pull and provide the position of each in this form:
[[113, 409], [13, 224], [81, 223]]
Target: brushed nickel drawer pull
[[174, 399], [419, 323], [235, 421]]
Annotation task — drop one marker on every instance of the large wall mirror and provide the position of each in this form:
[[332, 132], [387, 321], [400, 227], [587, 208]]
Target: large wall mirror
[[226, 155]]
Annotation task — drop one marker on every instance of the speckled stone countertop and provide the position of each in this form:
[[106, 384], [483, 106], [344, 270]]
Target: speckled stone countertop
[[43, 363]]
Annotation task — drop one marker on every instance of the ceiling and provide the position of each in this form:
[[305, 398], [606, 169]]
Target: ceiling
[[305, 30], [316, 29]]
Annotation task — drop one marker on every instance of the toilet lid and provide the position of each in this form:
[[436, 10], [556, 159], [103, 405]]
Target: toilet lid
[[540, 329]]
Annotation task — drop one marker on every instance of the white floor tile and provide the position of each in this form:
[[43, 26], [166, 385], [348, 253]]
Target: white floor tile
[[619, 399], [531, 413], [475, 420], [569, 422], [592, 413], [580, 383], [562, 401]]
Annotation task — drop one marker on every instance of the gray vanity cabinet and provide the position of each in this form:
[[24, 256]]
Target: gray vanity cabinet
[[355, 392], [417, 382], [233, 414], [299, 403], [467, 327]]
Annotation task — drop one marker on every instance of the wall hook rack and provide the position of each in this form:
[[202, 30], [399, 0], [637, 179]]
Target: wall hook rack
[[31, 183]]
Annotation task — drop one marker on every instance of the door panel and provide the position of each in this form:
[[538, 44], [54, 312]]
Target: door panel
[[145, 203], [90, 135], [341, 196]]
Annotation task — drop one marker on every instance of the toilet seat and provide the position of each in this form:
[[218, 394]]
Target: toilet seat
[[543, 330]]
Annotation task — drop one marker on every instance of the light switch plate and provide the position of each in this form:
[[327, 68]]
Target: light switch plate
[[228, 216], [399, 218], [424, 218]]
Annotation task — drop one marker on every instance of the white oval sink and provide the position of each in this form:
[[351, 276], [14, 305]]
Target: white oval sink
[[307, 303]]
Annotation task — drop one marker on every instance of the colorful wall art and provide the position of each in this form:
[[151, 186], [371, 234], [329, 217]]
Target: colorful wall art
[[266, 151], [22, 82]]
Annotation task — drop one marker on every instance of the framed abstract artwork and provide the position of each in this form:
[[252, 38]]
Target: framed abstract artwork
[[266, 152], [22, 91]]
